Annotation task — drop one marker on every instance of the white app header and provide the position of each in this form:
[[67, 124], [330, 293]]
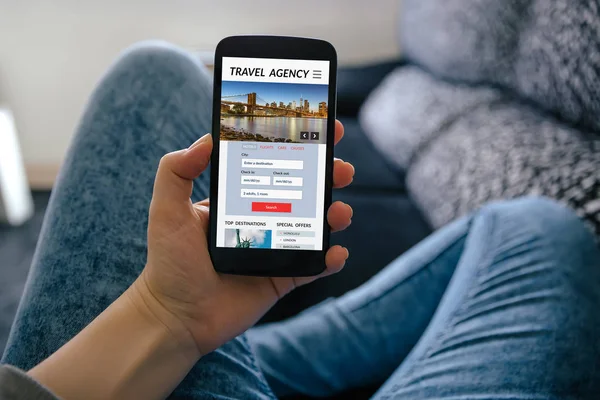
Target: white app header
[[275, 70]]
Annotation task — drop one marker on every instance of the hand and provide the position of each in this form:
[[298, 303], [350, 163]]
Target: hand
[[179, 284]]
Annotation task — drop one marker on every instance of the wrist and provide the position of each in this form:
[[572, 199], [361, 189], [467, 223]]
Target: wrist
[[145, 303], [134, 349]]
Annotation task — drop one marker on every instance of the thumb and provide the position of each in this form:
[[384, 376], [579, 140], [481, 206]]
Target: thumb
[[177, 170]]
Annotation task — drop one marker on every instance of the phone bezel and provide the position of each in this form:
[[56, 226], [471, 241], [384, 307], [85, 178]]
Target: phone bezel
[[271, 262]]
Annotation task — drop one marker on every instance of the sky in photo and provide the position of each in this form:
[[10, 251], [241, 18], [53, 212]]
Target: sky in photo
[[276, 92]]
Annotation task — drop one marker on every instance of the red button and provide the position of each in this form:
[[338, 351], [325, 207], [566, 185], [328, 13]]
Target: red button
[[272, 207]]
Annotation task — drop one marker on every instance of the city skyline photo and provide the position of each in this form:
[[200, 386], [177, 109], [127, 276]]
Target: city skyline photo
[[271, 112], [269, 92]]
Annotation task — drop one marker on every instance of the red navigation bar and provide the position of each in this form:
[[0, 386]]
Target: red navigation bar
[[272, 207]]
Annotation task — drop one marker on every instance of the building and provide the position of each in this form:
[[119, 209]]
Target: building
[[266, 104], [281, 104], [294, 105], [224, 108], [323, 109], [306, 105], [289, 106], [251, 103], [273, 104]]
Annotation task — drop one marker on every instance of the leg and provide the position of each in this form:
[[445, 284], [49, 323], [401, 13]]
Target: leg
[[519, 319], [517, 287], [360, 338], [155, 99]]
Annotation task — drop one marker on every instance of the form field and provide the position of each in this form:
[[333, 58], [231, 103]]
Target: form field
[[282, 181], [272, 194], [278, 164], [256, 180]]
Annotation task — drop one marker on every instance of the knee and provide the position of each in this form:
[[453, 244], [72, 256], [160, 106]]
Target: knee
[[153, 68], [155, 56], [544, 220], [545, 268]]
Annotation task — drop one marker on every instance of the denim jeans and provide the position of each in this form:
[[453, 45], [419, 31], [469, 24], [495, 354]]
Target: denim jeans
[[502, 304]]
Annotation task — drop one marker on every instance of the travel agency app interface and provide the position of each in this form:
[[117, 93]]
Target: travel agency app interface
[[273, 133]]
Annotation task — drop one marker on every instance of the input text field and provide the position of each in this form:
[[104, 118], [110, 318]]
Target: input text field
[[256, 180], [272, 194], [279, 164], [287, 181]]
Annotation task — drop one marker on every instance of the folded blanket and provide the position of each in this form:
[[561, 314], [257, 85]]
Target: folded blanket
[[463, 147]]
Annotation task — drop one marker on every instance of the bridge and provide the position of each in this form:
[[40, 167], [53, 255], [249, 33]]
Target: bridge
[[249, 100]]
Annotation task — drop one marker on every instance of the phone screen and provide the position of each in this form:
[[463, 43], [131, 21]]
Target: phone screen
[[273, 142]]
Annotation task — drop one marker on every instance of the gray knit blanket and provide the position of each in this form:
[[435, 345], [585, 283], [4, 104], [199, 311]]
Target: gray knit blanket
[[502, 100]]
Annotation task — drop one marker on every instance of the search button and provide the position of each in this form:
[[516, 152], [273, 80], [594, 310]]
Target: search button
[[272, 207]]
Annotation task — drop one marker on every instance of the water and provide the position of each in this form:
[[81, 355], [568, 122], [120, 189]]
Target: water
[[279, 127]]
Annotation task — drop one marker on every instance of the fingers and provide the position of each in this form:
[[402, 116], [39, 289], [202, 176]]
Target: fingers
[[335, 259], [339, 216], [177, 170], [202, 210], [339, 131], [205, 202], [343, 173]]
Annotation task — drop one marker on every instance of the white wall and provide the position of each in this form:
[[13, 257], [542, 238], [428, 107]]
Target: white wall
[[53, 51]]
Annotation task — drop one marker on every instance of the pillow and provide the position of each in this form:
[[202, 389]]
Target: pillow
[[546, 51]]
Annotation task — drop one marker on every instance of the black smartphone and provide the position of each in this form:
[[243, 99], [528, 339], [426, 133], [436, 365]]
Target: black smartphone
[[272, 161]]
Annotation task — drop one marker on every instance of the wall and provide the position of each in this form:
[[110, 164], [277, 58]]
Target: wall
[[53, 51]]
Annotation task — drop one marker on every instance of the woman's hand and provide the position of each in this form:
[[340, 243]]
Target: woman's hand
[[179, 284], [179, 308]]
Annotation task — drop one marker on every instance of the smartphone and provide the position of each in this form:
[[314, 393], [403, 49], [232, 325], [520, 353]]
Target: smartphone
[[272, 160]]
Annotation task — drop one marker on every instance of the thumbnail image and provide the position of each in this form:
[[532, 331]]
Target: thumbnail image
[[274, 112], [248, 238]]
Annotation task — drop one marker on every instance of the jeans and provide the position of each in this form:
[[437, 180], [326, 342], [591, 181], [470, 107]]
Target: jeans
[[502, 304]]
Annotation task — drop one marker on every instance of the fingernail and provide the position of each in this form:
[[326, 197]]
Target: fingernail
[[347, 253], [351, 210], [353, 170], [199, 141]]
